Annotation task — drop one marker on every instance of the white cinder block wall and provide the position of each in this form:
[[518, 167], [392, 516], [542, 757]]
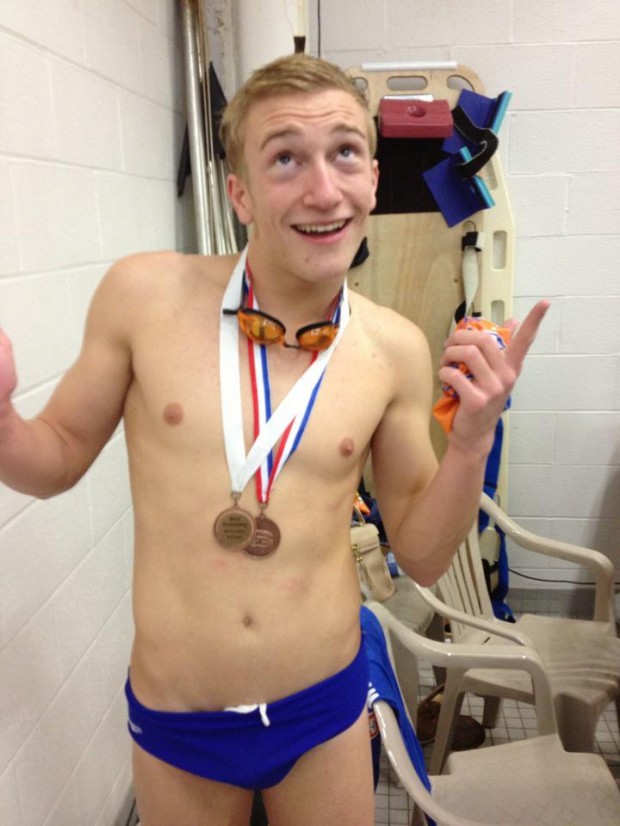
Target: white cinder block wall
[[90, 130], [559, 145]]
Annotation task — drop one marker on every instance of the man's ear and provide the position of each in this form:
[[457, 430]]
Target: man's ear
[[239, 197], [375, 181]]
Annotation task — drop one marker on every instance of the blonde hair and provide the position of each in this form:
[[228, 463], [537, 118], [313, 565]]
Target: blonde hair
[[295, 73]]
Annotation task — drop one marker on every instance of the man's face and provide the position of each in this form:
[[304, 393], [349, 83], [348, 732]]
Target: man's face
[[309, 181]]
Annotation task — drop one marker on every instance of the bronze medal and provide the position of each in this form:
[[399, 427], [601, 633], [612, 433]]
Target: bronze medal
[[234, 527], [266, 537]]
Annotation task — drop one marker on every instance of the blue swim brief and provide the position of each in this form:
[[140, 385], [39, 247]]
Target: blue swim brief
[[256, 746]]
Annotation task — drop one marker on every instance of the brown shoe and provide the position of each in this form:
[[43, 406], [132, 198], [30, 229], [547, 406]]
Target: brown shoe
[[468, 732]]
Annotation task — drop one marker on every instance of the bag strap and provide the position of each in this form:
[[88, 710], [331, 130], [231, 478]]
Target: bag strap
[[498, 596]]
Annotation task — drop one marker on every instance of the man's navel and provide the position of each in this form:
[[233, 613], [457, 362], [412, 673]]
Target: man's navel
[[173, 413]]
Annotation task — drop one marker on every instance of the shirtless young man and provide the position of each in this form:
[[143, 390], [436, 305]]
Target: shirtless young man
[[220, 627]]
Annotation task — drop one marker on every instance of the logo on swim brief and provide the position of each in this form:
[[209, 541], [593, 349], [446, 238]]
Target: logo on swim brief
[[373, 696], [373, 725], [136, 729]]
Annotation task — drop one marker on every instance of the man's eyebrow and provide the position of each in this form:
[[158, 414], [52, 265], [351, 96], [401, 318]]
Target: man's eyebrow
[[292, 132], [348, 129], [281, 133]]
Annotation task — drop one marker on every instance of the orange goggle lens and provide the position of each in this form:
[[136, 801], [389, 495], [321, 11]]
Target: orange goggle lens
[[317, 337], [264, 329], [260, 327]]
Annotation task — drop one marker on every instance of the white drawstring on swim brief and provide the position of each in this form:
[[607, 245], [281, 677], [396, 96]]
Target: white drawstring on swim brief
[[262, 707]]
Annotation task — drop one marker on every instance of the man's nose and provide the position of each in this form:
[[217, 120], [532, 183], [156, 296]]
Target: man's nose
[[323, 188]]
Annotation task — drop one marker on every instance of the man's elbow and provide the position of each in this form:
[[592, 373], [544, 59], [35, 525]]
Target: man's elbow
[[426, 580], [57, 487], [425, 572], [46, 488]]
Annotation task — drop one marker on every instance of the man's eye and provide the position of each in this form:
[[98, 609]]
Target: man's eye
[[348, 151], [284, 158]]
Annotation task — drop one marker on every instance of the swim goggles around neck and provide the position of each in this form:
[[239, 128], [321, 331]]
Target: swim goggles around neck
[[265, 329]]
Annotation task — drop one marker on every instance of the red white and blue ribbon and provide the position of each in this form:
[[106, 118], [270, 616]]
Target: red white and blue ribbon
[[288, 422]]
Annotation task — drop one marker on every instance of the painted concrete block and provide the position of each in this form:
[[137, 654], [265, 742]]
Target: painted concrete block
[[567, 265], [111, 42], [26, 125], [594, 204], [86, 117], [56, 25], [568, 141], [539, 203], [56, 216], [571, 20]]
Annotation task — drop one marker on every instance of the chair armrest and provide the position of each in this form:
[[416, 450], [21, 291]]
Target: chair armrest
[[464, 657], [492, 627], [600, 566], [399, 758]]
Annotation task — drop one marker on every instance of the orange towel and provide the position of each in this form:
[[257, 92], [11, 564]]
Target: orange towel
[[445, 409]]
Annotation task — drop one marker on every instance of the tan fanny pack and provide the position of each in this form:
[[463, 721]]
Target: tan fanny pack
[[375, 579]]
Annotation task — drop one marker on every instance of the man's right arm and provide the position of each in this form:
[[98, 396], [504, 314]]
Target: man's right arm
[[50, 453]]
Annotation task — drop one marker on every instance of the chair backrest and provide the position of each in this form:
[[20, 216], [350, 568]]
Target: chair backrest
[[464, 588]]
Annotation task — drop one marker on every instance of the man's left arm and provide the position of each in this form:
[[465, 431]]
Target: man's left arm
[[428, 509]]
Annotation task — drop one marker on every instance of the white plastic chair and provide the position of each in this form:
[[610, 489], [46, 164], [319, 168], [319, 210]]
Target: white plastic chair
[[581, 657], [532, 782], [415, 613]]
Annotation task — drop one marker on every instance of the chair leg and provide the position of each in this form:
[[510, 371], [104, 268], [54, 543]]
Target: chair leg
[[436, 631], [576, 723], [406, 667], [450, 709], [418, 818], [490, 714]]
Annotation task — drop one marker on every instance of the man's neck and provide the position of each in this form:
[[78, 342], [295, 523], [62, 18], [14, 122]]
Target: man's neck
[[290, 298]]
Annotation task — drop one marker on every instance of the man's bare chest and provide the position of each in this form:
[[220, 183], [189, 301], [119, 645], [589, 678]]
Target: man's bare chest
[[176, 399]]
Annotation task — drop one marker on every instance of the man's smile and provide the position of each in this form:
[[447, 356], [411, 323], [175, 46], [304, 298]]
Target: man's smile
[[322, 229]]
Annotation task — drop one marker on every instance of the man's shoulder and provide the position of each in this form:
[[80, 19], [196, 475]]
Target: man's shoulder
[[154, 285], [166, 271], [172, 264], [386, 326]]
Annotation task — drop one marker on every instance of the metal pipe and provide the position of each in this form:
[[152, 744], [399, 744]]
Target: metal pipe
[[196, 131], [204, 61]]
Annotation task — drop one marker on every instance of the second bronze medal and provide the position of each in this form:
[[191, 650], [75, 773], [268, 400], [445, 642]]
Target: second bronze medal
[[266, 537]]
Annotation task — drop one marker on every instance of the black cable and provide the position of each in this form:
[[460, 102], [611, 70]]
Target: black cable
[[561, 581]]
